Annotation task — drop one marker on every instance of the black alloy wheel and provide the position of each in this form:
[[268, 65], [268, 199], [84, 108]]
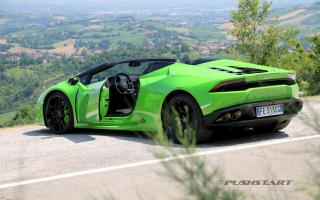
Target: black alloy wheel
[[58, 113], [182, 120]]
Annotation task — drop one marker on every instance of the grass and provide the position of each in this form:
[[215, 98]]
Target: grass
[[6, 117], [17, 73], [66, 46], [135, 39], [156, 24], [188, 41], [298, 19], [54, 78], [195, 176], [292, 14], [93, 27], [226, 26], [18, 49], [206, 33], [283, 11], [178, 29], [31, 30], [63, 43]]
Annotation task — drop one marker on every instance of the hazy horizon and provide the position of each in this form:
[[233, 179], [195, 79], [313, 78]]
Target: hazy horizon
[[75, 6]]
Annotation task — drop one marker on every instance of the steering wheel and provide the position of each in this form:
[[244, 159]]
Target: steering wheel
[[123, 84]]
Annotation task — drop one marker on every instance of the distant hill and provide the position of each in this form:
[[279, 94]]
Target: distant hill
[[305, 17], [84, 6]]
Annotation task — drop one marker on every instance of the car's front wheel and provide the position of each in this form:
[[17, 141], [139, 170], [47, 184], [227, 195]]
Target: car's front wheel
[[58, 113], [182, 120]]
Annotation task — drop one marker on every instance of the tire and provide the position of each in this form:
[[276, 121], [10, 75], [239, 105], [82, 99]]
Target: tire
[[273, 128], [58, 113], [182, 120]]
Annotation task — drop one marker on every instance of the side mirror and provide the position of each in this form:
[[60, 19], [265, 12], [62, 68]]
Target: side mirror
[[73, 81]]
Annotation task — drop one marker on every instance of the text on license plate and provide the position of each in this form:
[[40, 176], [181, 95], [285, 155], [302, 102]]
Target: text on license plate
[[265, 111]]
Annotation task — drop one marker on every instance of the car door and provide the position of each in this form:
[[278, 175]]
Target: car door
[[104, 100], [88, 102], [92, 99]]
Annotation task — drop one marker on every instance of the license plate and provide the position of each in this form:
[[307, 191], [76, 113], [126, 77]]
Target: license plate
[[266, 111]]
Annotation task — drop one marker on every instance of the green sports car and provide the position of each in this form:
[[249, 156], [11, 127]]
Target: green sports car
[[138, 94]]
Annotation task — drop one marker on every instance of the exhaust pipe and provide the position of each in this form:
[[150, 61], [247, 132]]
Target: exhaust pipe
[[230, 116]]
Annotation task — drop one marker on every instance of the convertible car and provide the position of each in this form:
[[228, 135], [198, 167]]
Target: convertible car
[[142, 94]]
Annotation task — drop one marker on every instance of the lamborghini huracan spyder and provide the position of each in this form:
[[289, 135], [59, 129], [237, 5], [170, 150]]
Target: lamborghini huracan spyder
[[137, 94]]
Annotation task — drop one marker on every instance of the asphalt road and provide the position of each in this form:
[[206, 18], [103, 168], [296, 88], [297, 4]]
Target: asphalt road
[[34, 164]]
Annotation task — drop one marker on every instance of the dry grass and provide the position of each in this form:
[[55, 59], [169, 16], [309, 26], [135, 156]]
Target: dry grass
[[289, 18], [291, 14], [18, 49], [226, 26], [178, 30], [92, 27], [64, 47], [298, 19]]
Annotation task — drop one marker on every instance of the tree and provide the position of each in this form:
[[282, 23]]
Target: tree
[[315, 48], [315, 56], [257, 37]]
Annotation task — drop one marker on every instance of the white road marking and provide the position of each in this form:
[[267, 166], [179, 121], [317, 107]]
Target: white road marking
[[150, 162]]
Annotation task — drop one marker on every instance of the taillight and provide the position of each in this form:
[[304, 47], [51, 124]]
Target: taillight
[[221, 86]]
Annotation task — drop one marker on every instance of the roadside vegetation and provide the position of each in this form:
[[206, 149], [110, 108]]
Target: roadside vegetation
[[198, 179], [263, 41], [24, 115]]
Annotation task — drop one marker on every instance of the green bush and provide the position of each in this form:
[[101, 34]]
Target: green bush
[[25, 115]]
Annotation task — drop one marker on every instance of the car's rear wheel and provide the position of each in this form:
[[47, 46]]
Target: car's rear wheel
[[182, 120], [58, 113], [273, 128]]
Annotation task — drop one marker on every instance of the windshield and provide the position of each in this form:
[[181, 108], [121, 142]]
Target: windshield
[[137, 68], [121, 68]]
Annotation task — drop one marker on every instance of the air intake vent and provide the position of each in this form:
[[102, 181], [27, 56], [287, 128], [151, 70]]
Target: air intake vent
[[243, 70]]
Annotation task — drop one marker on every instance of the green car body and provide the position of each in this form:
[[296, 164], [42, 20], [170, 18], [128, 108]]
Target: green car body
[[90, 101]]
